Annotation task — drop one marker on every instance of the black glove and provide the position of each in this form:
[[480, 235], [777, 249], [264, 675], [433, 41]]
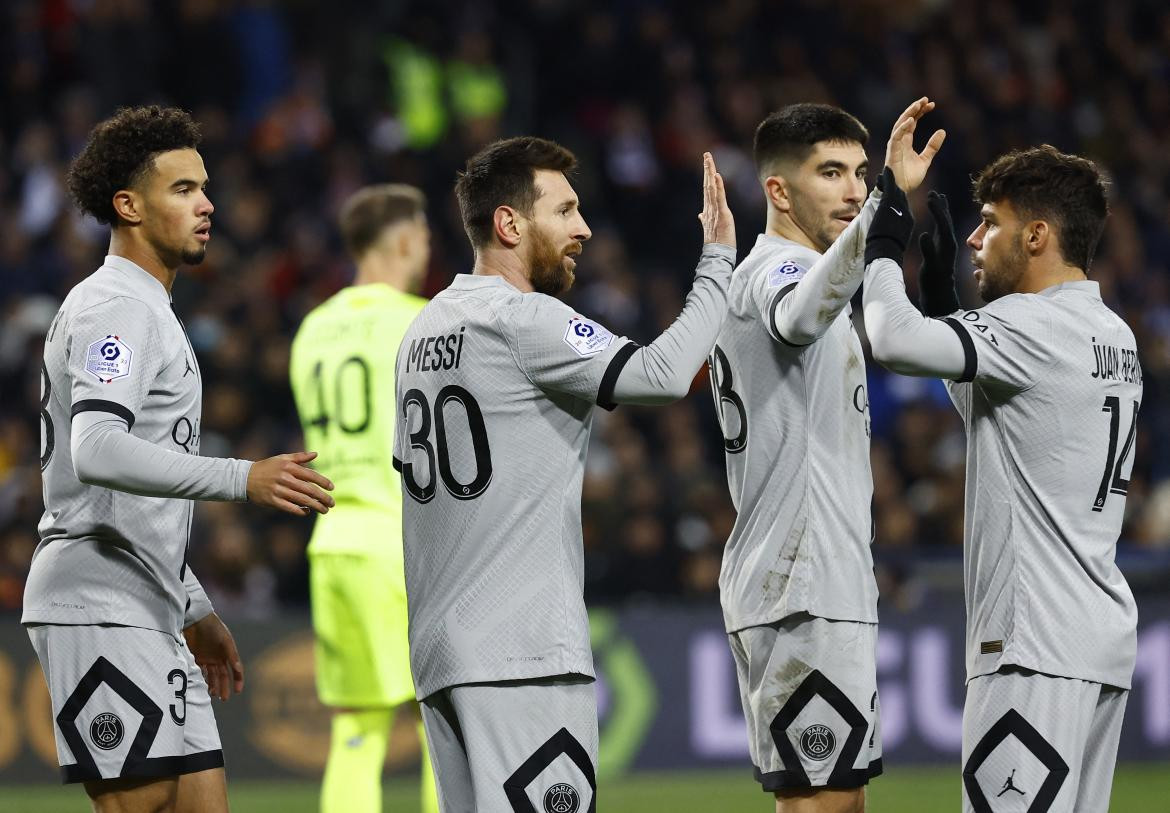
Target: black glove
[[936, 279], [892, 225]]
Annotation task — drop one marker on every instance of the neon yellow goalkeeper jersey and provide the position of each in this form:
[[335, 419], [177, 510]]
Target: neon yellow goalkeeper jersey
[[342, 371]]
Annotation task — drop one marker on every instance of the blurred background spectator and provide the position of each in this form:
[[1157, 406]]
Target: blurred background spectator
[[301, 103]]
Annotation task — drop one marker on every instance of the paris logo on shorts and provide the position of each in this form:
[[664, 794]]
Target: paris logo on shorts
[[818, 742], [561, 798], [106, 731]]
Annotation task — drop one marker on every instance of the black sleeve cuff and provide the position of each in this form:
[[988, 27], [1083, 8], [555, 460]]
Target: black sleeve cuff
[[971, 360], [98, 405], [609, 380], [397, 464], [772, 316]]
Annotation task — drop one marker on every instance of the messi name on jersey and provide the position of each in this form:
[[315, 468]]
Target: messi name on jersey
[[435, 353], [1116, 364]]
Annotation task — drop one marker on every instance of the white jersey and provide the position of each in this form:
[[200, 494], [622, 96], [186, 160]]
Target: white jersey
[[1051, 419], [795, 423], [495, 392], [108, 556]]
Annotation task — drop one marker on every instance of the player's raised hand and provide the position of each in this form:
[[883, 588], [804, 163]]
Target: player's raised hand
[[284, 482], [718, 224], [214, 649], [910, 167]]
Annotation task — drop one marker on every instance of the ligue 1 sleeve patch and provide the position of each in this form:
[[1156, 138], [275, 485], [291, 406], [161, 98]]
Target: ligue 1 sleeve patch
[[109, 358], [586, 337], [786, 273]]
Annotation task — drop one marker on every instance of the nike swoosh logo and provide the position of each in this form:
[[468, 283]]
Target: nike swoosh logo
[[895, 211]]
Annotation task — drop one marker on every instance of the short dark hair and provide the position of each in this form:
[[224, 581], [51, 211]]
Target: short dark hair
[[121, 149], [1047, 184], [372, 209], [504, 174], [791, 132]]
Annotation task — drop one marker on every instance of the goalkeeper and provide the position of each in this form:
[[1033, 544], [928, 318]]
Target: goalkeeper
[[342, 371]]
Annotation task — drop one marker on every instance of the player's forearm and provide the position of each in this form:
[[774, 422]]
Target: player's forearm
[[813, 305], [902, 339], [198, 604], [106, 454], [662, 371]]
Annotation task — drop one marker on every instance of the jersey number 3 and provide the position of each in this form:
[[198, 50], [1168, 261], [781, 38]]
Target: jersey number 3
[[1111, 480], [439, 452]]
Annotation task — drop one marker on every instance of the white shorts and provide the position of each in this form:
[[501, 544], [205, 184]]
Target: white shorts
[[128, 702], [809, 692], [527, 746], [1034, 742]]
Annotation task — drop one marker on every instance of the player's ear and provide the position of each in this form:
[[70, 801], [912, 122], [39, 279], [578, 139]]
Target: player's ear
[[128, 206], [506, 223], [1037, 236], [776, 190]]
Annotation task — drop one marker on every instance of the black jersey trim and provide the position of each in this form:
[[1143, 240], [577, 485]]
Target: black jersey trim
[[397, 464], [609, 380], [154, 767], [789, 780], [970, 359], [99, 405], [772, 316]]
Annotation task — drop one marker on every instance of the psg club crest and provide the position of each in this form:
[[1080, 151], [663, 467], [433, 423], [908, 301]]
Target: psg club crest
[[109, 358], [561, 798], [817, 742], [586, 337], [106, 731]]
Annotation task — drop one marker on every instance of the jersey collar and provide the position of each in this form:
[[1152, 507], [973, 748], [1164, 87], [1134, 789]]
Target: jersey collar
[[1084, 286], [138, 278]]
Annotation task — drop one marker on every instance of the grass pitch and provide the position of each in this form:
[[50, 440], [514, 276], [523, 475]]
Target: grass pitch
[[1136, 788]]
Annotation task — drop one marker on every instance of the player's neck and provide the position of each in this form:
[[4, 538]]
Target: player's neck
[[136, 251], [1042, 276], [396, 276], [504, 263], [781, 225]]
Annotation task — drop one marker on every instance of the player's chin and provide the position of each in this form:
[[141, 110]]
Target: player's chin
[[193, 256]]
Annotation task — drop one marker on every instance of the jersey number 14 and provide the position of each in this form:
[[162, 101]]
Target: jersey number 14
[[1111, 480]]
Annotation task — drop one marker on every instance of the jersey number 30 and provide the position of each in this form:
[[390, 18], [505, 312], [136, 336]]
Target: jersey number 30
[[439, 452]]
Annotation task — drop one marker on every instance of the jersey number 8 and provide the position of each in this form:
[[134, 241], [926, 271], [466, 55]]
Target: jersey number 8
[[439, 452]]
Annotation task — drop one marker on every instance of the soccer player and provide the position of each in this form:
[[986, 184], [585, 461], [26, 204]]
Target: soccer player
[[126, 637], [496, 384], [788, 376], [342, 371], [1047, 380]]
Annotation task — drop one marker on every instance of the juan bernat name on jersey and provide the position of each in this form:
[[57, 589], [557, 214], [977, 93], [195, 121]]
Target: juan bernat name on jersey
[[431, 353], [1116, 363]]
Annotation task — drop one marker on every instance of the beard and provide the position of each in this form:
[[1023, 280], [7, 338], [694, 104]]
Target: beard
[[1000, 279], [823, 233], [193, 256], [549, 270]]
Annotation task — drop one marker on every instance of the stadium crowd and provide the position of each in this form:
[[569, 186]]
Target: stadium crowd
[[302, 103]]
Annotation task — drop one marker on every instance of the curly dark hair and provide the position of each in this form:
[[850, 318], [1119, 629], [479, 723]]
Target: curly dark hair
[[1046, 184], [121, 150], [504, 173]]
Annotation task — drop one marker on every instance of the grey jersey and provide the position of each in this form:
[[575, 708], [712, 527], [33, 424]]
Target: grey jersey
[[495, 391], [795, 424], [1051, 420], [108, 556]]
